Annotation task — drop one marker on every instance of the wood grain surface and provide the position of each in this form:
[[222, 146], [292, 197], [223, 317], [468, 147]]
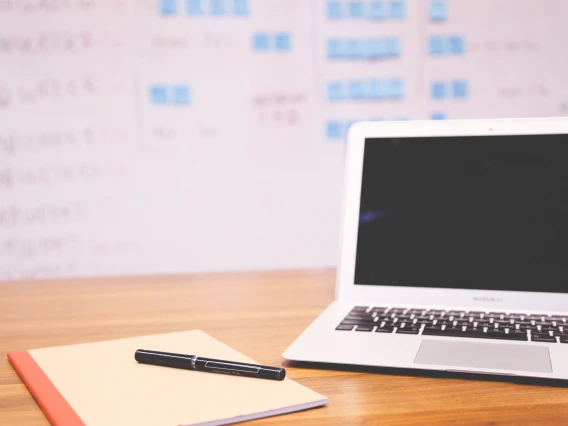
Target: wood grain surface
[[259, 314]]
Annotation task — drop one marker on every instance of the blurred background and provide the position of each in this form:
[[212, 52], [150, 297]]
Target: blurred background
[[168, 136]]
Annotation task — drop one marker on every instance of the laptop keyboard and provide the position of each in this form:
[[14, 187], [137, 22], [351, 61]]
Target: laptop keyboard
[[455, 323]]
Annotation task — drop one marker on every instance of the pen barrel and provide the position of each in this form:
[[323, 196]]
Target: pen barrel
[[239, 369]]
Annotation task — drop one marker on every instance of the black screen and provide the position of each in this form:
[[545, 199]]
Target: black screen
[[465, 212]]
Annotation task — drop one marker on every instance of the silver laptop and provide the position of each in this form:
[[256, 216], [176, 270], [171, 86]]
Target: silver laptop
[[454, 250]]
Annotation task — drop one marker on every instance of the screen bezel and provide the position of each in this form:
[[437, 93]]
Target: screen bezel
[[346, 289]]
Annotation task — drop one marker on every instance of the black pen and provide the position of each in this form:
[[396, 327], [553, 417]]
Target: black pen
[[193, 362]]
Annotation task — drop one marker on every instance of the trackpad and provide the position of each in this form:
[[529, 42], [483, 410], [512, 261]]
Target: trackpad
[[496, 356]]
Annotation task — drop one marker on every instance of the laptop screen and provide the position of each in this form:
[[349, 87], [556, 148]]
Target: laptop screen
[[483, 212]]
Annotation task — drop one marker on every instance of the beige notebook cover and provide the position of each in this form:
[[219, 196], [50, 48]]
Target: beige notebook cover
[[103, 384]]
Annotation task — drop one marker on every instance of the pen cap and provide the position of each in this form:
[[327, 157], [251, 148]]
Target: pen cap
[[164, 359]]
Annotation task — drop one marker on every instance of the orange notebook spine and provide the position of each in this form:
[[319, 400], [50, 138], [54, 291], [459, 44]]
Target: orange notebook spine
[[55, 407]]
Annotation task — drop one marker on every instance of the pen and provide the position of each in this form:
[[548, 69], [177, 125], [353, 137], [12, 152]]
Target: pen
[[193, 362]]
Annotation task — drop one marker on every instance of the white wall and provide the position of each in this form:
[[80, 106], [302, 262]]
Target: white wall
[[241, 167]]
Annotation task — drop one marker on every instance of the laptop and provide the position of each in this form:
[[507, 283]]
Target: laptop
[[454, 250]]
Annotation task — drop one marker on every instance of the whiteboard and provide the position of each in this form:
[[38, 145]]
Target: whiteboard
[[171, 136]]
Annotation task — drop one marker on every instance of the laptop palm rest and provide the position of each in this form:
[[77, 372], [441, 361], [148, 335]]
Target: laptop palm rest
[[479, 355]]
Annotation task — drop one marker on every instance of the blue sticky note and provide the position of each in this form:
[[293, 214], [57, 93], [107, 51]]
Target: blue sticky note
[[377, 10], [456, 45], [158, 95], [438, 90], [240, 7], [356, 9], [334, 10], [337, 49], [397, 9], [260, 42], [395, 88], [217, 7], [334, 48], [282, 41], [355, 48], [335, 91], [364, 50], [376, 89], [193, 7], [438, 116], [334, 130], [437, 45], [357, 89], [460, 89], [181, 95], [392, 47], [168, 7], [375, 49], [438, 10]]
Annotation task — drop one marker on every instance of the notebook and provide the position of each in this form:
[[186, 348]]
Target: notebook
[[102, 384]]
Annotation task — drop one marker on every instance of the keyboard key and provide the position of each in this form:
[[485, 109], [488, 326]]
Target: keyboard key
[[477, 334], [355, 317], [403, 317], [473, 332], [543, 338], [408, 330], [364, 328], [496, 314], [385, 329], [360, 308], [433, 331], [564, 339], [533, 317], [453, 329], [345, 327], [356, 322], [505, 336]]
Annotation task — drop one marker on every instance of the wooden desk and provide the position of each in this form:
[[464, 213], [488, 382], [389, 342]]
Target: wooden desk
[[259, 314]]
